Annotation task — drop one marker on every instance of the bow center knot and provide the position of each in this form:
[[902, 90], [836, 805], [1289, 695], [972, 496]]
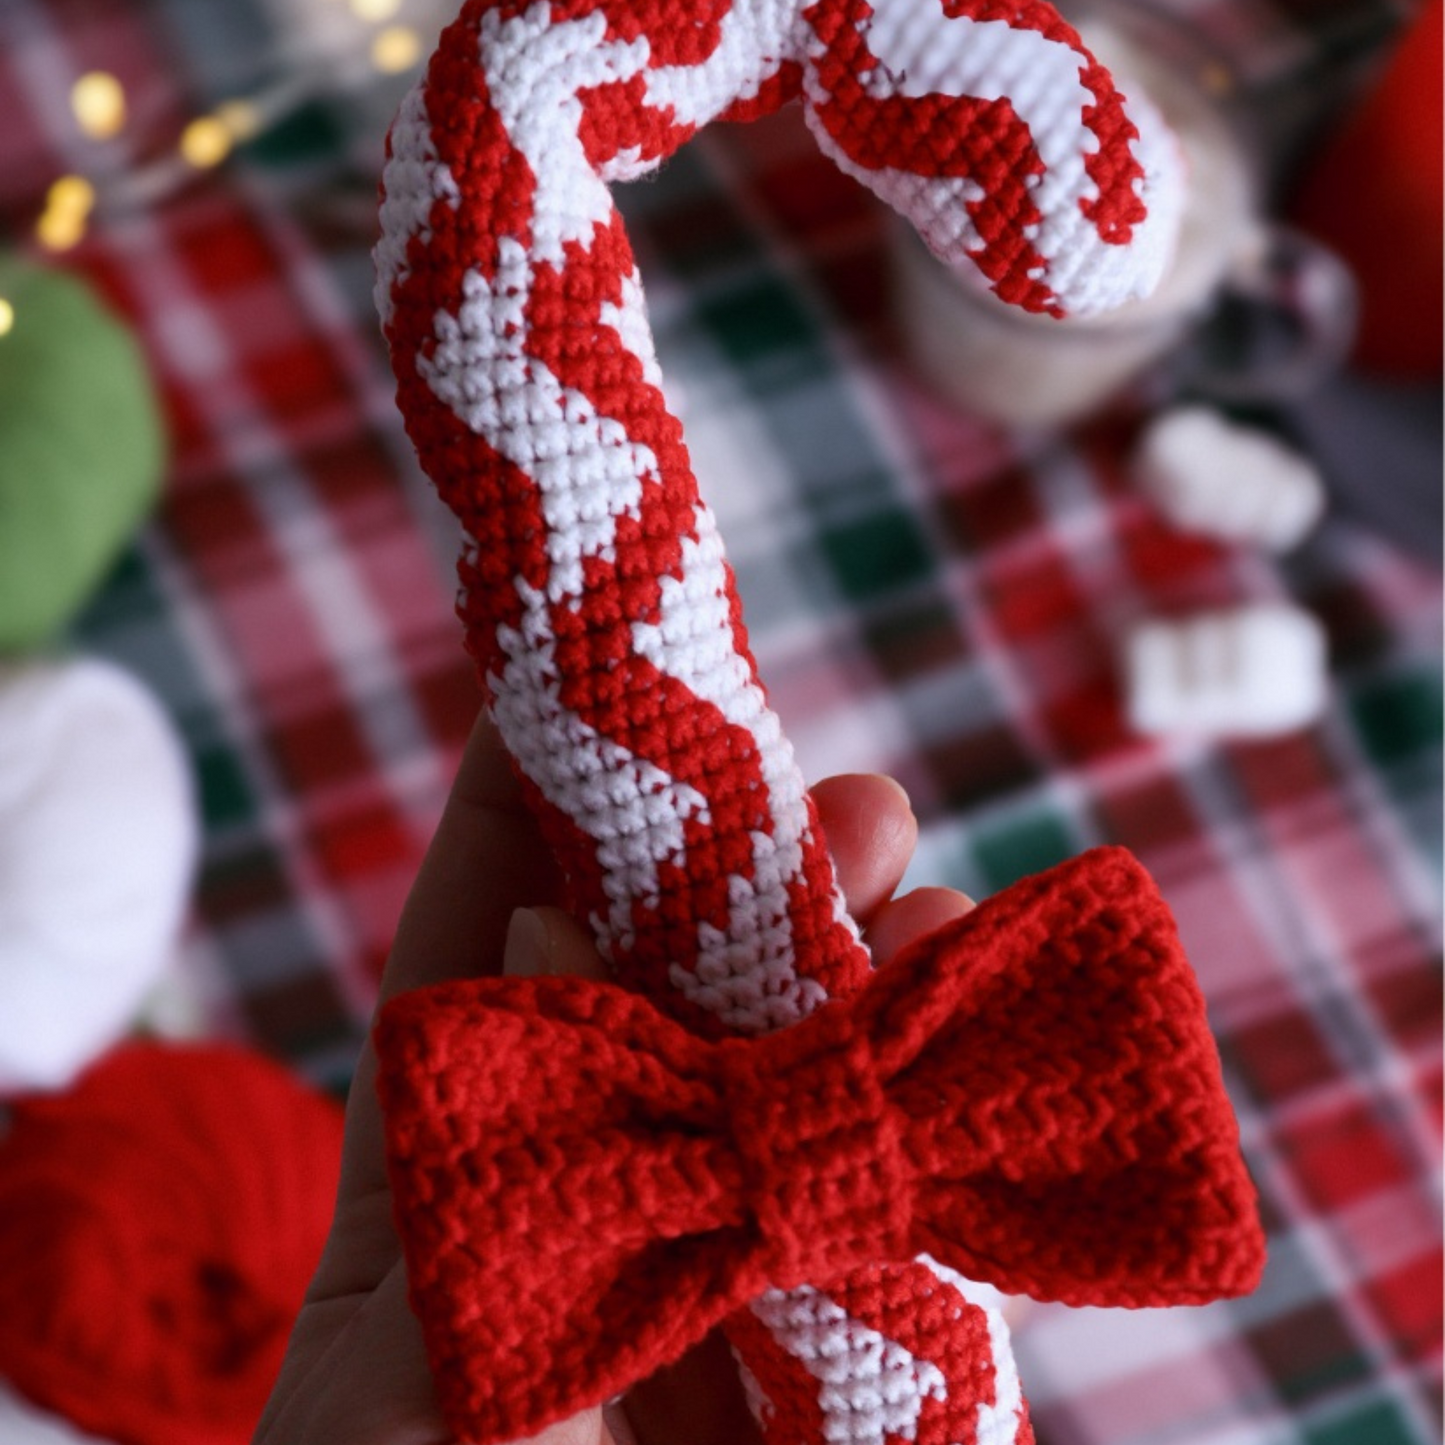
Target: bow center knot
[[827, 1181]]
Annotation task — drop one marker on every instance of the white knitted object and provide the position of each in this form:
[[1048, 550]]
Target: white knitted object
[[1249, 671], [98, 840], [1210, 475], [22, 1423]]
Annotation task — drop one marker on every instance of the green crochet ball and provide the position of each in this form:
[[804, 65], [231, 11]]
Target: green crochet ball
[[82, 448]]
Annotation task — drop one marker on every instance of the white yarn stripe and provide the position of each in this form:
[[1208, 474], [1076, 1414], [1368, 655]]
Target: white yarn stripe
[[921, 51], [745, 975], [998, 1424], [936, 206], [628, 318], [938, 209], [534, 67], [872, 1389], [756, 38], [1102, 277], [587, 471], [414, 180], [588, 475], [633, 810]]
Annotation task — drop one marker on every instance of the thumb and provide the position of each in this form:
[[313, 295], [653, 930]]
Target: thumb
[[549, 941]]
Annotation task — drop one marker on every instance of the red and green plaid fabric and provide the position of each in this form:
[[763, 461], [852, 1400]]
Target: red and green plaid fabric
[[926, 596]]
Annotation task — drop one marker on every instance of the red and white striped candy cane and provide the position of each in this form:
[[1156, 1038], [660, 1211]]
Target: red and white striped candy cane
[[597, 600]]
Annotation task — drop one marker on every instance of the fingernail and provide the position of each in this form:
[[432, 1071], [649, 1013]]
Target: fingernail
[[527, 952]]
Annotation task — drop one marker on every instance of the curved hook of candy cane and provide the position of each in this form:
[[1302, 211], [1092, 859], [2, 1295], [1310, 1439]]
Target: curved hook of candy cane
[[992, 128], [596, 598]]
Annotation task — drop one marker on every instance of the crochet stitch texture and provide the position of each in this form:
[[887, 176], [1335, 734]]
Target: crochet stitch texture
[[597, 601], [1029, 1096], [160, 1220]]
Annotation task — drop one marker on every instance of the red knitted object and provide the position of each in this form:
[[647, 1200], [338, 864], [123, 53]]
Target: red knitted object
[[1375, 194], [598, 604], [1030, 1096], [159, 1223]]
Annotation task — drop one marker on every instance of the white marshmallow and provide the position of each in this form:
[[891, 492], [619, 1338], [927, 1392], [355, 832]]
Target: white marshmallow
[[98, 843], [1208, 474], [1250, 671]]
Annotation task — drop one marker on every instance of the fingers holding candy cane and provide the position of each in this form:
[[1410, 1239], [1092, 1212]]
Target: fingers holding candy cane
[[355, 1368]]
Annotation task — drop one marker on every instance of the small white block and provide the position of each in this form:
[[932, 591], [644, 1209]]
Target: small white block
[[1250, 671], [1208, 474]]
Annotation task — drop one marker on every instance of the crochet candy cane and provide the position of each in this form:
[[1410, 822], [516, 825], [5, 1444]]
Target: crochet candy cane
[[597, 601]]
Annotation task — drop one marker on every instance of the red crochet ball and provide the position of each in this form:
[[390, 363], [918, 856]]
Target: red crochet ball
[[159, 1223]]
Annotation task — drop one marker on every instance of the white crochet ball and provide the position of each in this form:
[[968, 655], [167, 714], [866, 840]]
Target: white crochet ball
[[98, 843]]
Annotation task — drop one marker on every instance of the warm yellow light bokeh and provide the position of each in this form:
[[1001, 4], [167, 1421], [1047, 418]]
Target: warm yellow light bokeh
[[375, 10], [59, 230], [98, 102], [206, 141], [72, 195], [240, 118], [7, 317], [67, 205], [395, 49]]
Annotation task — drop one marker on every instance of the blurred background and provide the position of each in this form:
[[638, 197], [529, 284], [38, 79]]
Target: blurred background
[[1201, 617]]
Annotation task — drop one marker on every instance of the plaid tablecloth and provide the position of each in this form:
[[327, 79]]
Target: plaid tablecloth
[[926, 595]]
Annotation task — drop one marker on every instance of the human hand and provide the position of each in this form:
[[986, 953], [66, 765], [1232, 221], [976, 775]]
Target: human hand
[[356, 1369]]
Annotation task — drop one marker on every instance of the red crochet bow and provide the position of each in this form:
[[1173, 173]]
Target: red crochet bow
[[1031, 1095]]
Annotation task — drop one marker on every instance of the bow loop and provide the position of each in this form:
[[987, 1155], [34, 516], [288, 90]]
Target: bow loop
[[1071, 1085]]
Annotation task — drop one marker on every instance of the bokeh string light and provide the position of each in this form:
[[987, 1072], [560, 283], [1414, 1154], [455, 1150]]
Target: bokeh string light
[[382, 45], [375, 11], [396, 49], [68, 204], [97, 101], [206, 141]]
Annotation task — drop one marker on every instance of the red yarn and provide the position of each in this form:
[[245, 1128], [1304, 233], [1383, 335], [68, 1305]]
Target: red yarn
[[1374, 193], [159, 1223], [1030, 1096]]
